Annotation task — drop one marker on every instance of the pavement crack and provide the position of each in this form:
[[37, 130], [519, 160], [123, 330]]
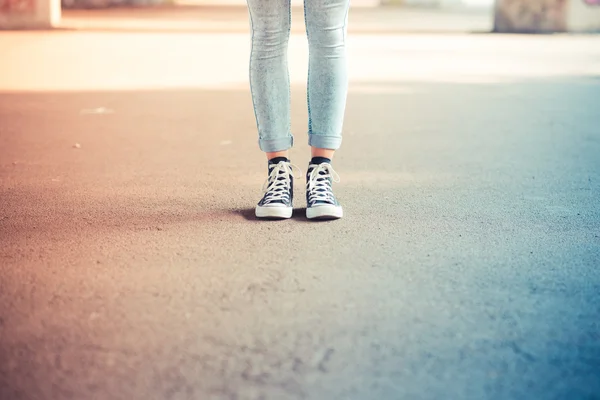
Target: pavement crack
[[518, 350], [323, 358]]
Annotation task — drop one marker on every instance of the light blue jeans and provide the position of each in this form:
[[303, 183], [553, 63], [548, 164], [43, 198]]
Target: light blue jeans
[[326, 22]]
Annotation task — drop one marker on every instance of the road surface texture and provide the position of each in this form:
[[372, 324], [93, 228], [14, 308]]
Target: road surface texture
[[131, 266]]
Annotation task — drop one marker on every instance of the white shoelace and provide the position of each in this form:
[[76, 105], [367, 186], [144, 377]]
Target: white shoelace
[[273, 183], [319, 183]]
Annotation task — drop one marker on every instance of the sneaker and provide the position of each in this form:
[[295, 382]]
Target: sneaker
[[320, 200], [278, 191]]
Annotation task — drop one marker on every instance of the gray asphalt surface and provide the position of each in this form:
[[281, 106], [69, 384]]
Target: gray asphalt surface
[[131, 266]]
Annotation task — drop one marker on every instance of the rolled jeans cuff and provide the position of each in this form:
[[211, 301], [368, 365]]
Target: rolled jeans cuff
[[324, 142], [277, 144]]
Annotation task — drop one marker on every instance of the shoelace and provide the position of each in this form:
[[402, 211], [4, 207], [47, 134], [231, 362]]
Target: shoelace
[[319, 183], [277, 189]]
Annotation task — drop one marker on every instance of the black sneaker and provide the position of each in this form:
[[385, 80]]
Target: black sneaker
[[320, 200], [278, 191]]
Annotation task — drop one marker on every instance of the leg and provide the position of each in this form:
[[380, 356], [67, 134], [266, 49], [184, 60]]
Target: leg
[[270, 87], [319, 152], [269, 77], [327, 77], [327, 91]]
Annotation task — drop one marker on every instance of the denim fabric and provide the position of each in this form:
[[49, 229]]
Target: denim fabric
[[326, 22]]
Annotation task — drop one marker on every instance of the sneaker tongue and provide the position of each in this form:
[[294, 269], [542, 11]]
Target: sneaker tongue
[[281, 175], [320, 178], [274, 162]]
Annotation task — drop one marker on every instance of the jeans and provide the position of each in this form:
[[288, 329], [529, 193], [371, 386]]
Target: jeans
[[326, 22]]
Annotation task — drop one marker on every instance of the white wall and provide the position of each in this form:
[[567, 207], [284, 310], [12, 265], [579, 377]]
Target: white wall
[[582, 17], [46, 14]]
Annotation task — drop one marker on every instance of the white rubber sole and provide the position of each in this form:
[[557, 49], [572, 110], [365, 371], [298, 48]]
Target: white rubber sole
[[324, 212], [275, 212]]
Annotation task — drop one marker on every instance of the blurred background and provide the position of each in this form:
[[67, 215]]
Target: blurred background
[[466, 265], [508, 16]]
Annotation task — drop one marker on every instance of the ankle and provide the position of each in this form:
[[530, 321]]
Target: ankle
[[277, 160], [320, 160], [278, 154]]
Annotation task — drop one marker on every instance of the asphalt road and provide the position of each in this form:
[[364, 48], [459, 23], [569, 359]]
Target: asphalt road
[[131, 266]]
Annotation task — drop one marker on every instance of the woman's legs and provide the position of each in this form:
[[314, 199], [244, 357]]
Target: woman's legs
[[327, 78], [327, 91], [326, 22], [269, 77]]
